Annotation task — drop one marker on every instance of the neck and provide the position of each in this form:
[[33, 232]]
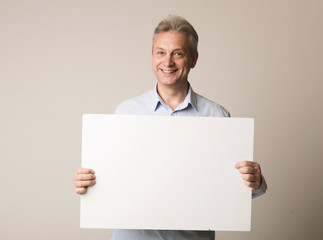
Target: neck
[[173, 95]]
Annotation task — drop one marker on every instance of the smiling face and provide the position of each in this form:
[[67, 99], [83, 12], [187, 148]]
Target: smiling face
[[171, 58]]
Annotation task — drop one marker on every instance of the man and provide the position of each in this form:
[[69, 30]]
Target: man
[[174, 53]]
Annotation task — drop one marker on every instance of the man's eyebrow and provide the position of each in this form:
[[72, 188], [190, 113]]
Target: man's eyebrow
[[179, 49], [158, 48]]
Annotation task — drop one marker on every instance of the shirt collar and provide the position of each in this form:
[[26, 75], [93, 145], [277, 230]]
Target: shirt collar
[[190, 99]]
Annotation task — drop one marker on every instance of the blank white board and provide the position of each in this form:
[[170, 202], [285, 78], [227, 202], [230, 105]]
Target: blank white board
[[173, 173]]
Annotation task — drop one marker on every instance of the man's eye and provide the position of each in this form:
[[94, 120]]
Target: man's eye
[[160, 52], [179, 54]]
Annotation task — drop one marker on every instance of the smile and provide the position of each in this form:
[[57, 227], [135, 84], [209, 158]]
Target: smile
[[168, 71]]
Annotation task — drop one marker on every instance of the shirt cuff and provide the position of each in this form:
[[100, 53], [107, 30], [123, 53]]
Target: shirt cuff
[[260, 191]]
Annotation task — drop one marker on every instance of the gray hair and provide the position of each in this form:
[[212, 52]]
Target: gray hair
[[180, 24]]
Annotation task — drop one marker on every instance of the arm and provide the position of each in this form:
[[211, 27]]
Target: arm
[[83, 178], [251, 175]]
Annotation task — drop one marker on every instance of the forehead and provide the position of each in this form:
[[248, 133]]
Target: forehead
[[171, 39]]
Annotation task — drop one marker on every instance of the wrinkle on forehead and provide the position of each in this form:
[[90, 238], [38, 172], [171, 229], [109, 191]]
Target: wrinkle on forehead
[[171, 40]]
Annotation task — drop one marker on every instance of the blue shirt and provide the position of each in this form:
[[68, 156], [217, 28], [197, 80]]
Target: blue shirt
[[150, 103]]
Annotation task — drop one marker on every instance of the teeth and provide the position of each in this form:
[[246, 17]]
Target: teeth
[[168, 71]]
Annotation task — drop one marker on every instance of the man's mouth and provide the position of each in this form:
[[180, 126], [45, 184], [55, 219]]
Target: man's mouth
[[169, 71]]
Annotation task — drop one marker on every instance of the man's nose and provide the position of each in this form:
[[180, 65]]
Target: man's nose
[[169, 61]]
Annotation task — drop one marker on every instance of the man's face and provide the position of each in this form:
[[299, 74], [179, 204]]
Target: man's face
[[171, 58]]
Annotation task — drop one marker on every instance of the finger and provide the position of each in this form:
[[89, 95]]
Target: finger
[[249, 177], [81, 190], [84, 177], [252, 185], [82, 170], [249, 170], [247, 164], [80, 184]]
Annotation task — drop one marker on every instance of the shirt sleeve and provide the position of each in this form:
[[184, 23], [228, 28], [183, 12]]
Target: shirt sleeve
[[260, 191]]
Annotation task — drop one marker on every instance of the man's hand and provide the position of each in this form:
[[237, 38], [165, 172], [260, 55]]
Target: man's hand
[[250, 173], [83, 178]]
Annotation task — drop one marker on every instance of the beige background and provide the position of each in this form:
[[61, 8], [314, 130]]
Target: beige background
[[60, 59]]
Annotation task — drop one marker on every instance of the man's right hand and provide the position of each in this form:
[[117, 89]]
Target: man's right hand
[[83, 178]]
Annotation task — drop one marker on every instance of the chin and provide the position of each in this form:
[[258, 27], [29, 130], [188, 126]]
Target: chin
[[167, 82]]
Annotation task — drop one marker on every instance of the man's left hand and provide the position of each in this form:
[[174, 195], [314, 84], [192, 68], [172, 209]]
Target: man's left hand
[[250, 173]]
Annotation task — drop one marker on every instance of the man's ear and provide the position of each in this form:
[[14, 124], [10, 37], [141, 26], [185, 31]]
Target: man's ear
[[194, 60]]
